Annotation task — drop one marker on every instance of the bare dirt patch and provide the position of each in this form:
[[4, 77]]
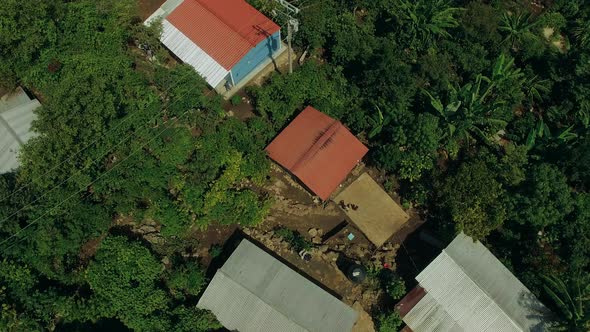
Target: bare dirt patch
[[243, 110]]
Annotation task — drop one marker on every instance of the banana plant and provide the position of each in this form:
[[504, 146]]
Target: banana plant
[[468, 114], [516, 27], [535, 88], [542, 130], [572, 299], [424, 20], [378, 123], [581, 33]]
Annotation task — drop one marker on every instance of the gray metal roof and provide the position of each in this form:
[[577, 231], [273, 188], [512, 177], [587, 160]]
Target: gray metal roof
[[16, 116], [255, 292], [468, 289]]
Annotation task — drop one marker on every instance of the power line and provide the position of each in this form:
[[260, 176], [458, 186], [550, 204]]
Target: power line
[[79, 191], [9, 196], [120, 142], [80, 170]]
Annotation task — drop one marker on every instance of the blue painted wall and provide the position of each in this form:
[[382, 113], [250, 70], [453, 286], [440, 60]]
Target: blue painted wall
[[261, 52]]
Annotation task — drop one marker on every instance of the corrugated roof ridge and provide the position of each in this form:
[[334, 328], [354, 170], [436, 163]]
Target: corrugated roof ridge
[[483, 290], [258, 297], [234, 29], [316, 147]]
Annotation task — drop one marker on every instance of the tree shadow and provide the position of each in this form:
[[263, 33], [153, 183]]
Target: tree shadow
[[536, 311], [271, 48]]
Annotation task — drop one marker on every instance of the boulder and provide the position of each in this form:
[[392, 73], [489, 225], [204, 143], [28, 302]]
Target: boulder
[[330, 256], [146, 229], [313, 232], [154, 238]]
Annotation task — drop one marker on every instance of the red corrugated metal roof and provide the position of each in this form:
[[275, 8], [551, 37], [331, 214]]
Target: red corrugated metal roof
[[224, 29], [317, 149]]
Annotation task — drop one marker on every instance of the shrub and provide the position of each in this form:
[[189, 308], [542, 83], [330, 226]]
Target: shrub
[[187, 279], [389, 322], [236, 100], [295, 240], [215, 250], [395, 287]]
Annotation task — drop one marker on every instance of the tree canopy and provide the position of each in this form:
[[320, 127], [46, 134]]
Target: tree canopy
[[478, 112]]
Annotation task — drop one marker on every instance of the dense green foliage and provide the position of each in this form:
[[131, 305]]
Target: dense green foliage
[[125, 137], [295, 240], [478, 110], [389, 322]]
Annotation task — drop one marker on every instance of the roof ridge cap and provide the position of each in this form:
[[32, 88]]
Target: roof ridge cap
[[329, 132]]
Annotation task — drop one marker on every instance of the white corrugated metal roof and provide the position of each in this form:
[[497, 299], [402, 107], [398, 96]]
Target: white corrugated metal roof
[[255, 292], [16, 116], [468, 289], [192, 54]]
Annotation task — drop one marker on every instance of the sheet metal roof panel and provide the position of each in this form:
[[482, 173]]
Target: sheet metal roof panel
[[240, 310], [14, 99], [468, 286], [244, 19], [317, 149], [192, 54], [226, 30], [20, 119], [8, 153], [459, 297], [288, 293], [426, 316], [16, 117], [498, 282]]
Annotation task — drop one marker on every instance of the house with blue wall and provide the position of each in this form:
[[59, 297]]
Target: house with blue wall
[[225, 41]]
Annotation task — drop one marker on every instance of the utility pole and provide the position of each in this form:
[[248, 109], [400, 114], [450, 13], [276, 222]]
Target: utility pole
[[292, 26]]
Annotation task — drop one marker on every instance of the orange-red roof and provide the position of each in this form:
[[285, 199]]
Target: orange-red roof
[[317, 149], [224, 29]]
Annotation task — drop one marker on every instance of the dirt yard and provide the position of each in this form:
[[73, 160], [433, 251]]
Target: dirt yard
[[324, 225]]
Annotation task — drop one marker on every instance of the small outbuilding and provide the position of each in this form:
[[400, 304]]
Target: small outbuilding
[[466, 288], [254, 291], [16, 117], [371, 209], [318, 150], [224, 40]]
